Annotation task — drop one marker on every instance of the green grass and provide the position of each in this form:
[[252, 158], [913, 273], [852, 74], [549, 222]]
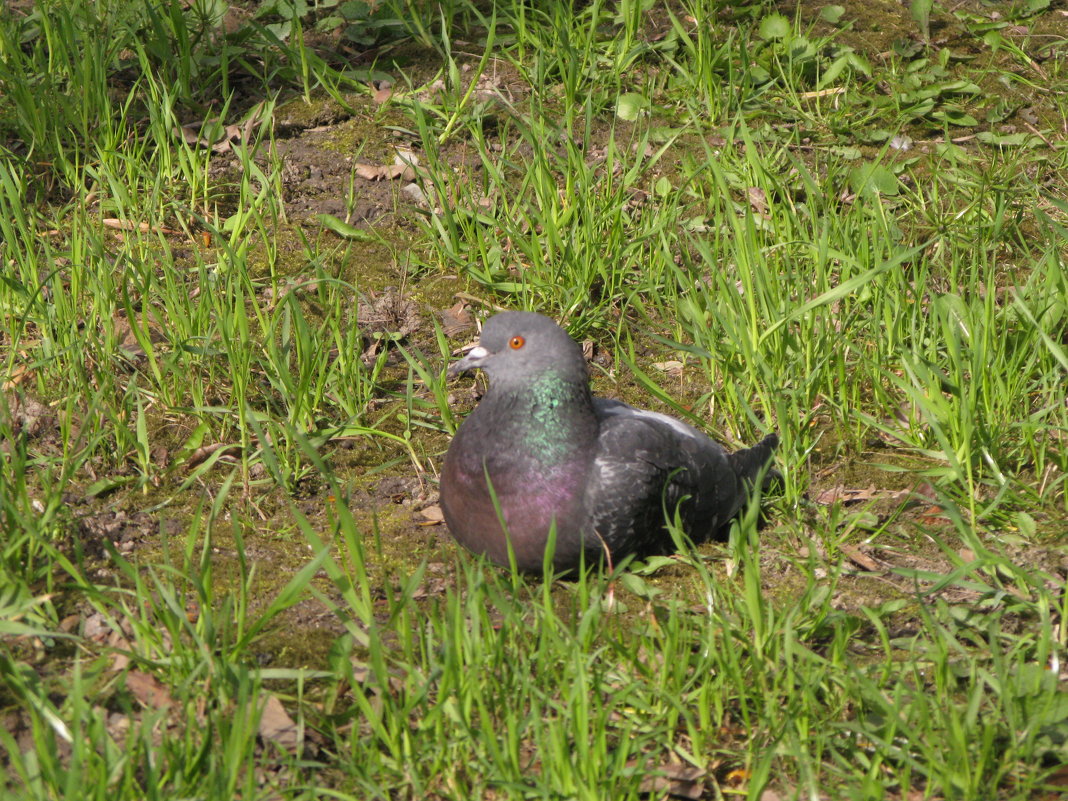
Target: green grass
[[844, 227]]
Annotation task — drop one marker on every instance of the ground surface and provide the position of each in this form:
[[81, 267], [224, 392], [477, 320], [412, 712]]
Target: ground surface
[[225, 413]]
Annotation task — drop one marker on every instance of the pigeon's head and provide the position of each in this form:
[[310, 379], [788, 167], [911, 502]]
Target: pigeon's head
[[519, 347]]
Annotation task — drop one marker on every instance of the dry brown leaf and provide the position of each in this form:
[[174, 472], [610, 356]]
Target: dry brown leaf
[[370, 353], [372, 172], [432, 516], [202, 453], [130, 225], [120, 659], [18, 374], [254, 118], [382, 91], [859, 557], [220, 139], [456, 319], [147, 689], [277, 726], [829, 497], [933, 516], [681, 781], [842, 494], [189, 134], [673, 367], [432, 586], [925, 490], [231, 134], [758, 200], [130, 344]]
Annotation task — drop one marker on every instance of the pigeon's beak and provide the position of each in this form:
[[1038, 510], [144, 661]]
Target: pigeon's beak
[[474, 358]]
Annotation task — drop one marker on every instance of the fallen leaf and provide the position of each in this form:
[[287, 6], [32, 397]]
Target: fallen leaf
[[188, 134], [681, 781], [277, 726], [147, 689], [120, 659], [383, 91], [18, 374], [130, 345], [933, 516], [231, 134], [432, 516], [758, 200], [370, 353], [220, 138], [841, 494], [130, 225], [673, 368], [456, 319], [202, 453], [829, 497], [373, 172], [926, 491], [859, 557], [432, 586]]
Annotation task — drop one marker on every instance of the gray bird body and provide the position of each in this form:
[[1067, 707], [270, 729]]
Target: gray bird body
[[540, 451]]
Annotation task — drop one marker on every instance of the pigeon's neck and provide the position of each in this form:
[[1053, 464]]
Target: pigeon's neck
[[555, 419]]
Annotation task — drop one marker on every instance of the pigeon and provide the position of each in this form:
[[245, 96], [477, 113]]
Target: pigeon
[[541, 459]]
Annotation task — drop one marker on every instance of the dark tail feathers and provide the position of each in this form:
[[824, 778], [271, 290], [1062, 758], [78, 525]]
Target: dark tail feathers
[[748, 463]]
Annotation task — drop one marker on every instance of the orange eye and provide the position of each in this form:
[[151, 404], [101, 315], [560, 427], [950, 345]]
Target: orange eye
[[515, 343]]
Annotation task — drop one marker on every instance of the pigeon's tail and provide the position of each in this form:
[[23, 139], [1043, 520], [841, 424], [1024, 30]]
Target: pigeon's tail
[[748, 463]]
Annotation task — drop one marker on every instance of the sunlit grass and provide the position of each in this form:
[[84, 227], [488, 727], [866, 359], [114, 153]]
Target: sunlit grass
[[806, 228]]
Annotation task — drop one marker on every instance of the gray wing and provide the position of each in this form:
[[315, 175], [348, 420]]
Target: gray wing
[[646, 463]]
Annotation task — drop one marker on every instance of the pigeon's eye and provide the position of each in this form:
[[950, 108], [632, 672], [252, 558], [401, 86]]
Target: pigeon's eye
[[515, 343]]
